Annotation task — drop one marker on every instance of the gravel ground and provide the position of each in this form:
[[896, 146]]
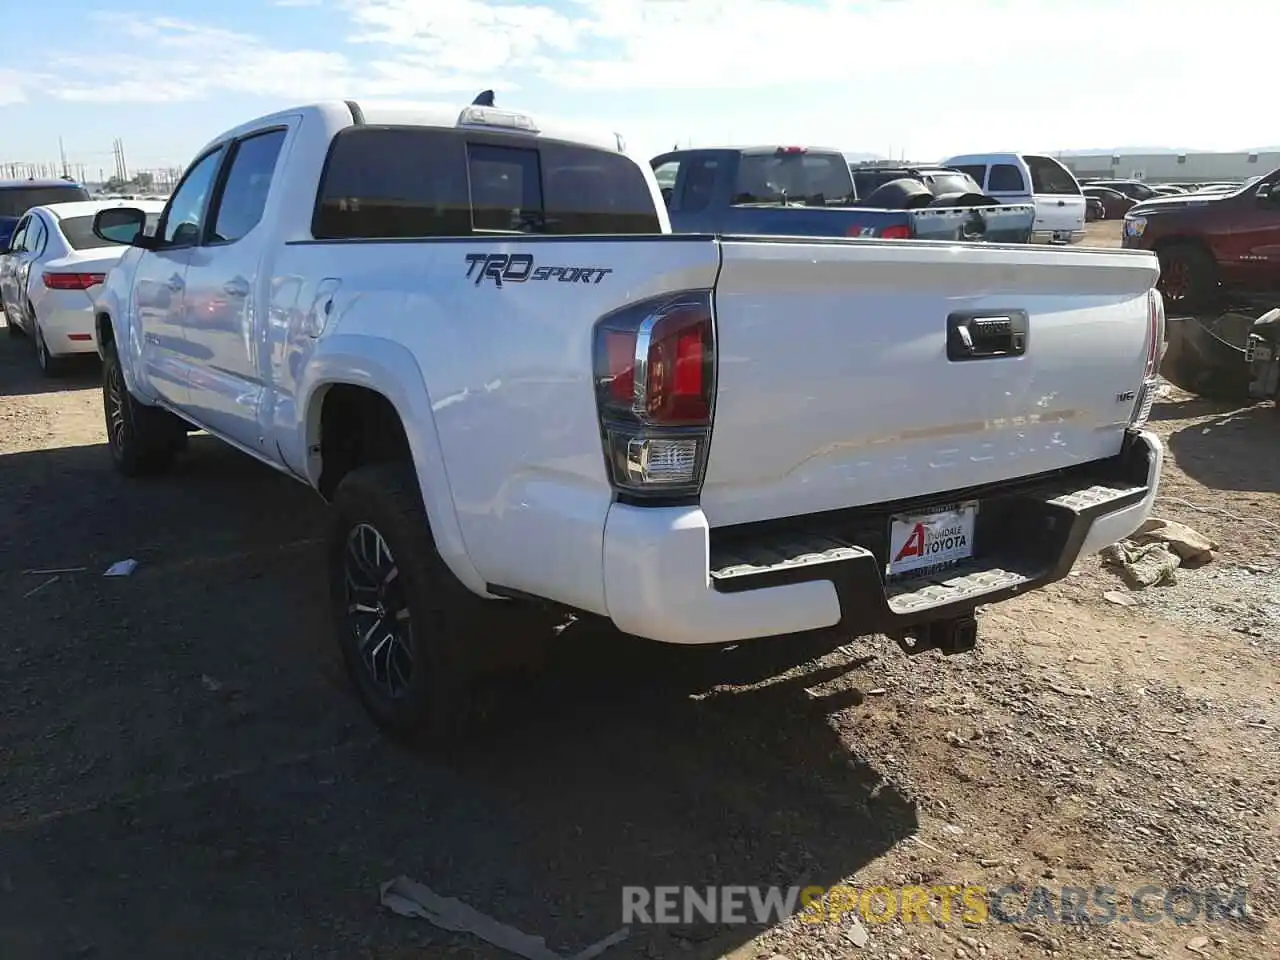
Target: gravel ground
[[187, 774]]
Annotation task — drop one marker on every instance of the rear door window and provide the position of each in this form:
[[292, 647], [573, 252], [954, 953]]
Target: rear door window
[[1048, 176], [388, 182], [18, 241], [1005, 178], [37, 236]]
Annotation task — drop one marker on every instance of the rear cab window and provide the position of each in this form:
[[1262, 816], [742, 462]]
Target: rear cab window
[[15, 201], [1050, 177], [404, 182], [815, 178]]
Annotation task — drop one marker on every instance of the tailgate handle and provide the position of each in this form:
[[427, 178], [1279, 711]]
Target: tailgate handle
[[980, 336]]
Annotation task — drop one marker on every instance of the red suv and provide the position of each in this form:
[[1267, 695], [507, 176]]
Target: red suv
[[1212, 247]]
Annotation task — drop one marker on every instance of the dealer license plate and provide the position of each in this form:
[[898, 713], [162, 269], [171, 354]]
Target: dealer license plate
[[1062, 236], [925, 541]]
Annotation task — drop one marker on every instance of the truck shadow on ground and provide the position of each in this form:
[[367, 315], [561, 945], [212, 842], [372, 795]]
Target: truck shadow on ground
[[1235, 450], [184, 764]]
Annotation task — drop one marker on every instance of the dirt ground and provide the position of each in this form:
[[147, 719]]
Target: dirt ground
[[1103, 233], [186, 774]]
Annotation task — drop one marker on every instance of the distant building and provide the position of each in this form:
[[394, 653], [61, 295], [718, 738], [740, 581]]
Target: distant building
[[1171, 167]]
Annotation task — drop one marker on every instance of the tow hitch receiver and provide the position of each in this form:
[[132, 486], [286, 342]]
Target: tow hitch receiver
[[953, 635]]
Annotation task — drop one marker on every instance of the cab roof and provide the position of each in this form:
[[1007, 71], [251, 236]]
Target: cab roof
[[346, 113]]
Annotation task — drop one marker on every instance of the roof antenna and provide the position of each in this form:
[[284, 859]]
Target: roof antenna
[[484, 100]]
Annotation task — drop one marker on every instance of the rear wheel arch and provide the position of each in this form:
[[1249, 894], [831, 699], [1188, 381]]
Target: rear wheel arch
[[103, 330], [349, 426], [337, 374]]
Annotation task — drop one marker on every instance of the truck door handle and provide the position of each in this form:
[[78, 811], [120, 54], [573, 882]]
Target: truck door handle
[[978, 336], [1062, 203], [175, 283], [236, 287]]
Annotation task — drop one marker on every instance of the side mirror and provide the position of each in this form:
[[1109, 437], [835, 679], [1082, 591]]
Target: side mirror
[[186, 234], [123, 225]]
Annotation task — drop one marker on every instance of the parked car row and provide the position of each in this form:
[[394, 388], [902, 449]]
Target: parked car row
[[52, 266], [795, 189], [812, 191], [475, 335], [1116, 197]]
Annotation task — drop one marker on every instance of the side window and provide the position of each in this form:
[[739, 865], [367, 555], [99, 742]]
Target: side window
[[699, 182], [666, 174], [506, 188], [1005, 178], [393, 182], [18, 241], [244, 191], [184, 218], [1049, 176], [37, 234]]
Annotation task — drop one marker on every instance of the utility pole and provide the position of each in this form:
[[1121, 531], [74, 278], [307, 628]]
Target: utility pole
[[62, 153]]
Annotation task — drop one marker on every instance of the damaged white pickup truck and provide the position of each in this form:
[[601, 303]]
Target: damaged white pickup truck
[[474, 335]]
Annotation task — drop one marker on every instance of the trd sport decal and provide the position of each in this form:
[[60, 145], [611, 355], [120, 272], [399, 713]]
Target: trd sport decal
[[518, 268]]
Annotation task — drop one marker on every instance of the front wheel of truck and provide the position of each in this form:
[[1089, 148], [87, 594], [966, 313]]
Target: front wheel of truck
[[1188, 277], [142, 439], [405, 626]]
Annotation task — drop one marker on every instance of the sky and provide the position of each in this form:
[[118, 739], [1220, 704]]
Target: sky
[[916, 78]]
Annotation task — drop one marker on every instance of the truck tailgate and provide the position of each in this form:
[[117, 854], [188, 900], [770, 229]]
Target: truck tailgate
[[1009, 223], [835, 387]]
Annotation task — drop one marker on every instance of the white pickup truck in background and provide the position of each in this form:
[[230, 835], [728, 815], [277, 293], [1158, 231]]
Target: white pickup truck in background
[[474, 335]]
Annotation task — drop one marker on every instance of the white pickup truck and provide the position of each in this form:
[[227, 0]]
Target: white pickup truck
[[473, 333]]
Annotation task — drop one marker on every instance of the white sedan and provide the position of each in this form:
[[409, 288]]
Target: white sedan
[[51, 271]]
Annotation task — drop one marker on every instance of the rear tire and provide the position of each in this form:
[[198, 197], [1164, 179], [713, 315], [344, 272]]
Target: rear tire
[[142, 440], [51, 366], [407, 629], [1188, 278]]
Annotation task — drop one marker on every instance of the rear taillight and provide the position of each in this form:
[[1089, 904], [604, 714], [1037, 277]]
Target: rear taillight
[[897, 231], [1151, 371], [655, 372], [72, 281]]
